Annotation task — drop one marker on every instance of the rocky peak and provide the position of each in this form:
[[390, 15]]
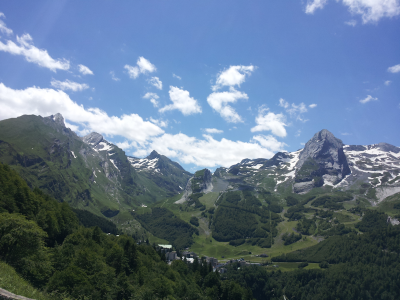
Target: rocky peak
[[93, 138], [322, 161], [57, 118], [153, 154]]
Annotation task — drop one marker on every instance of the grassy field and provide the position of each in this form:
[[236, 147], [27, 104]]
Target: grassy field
[[290, 266], [12, 282]]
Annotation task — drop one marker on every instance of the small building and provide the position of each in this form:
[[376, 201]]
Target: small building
[[170, 255]]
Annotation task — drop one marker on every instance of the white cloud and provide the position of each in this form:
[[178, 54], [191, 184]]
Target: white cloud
[[268, 121], [368, 99], [176, 76], [208, 152], [213, 130], [370, 10], [312, 105], [387, 82], [313, 5], [113, 77], [394, 69], [234, 75], [182, 102], [269, 142], [219, 102], [156, 82], [69, 85], [294, 110], [351, 23], [85, 70], [159, 122], [153, 98], [3, 27], [345, 133], [145, 66], [46, 102], [33, 54], [133, 72], [373, 10]]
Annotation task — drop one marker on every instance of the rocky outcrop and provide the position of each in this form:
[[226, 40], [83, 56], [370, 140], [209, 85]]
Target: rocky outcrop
[[201, 182], [322, 161]]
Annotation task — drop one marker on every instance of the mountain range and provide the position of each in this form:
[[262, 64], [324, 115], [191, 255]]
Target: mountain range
[[245, 203]]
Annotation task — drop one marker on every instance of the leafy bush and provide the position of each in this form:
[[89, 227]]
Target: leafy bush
[[194, 221], [291, 238], [303, 265]]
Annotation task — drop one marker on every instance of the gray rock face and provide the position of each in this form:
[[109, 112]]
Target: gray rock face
[[201, 182], [303, 187], [321, 161], [93, 138]]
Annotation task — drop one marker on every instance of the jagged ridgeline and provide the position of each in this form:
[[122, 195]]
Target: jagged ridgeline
[[90, 173]]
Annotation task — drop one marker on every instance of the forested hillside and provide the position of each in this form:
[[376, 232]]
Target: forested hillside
[[43, 241]]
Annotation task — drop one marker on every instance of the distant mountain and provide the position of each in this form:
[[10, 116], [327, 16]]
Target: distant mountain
[[164, 172], [325, 162], [88, 172]]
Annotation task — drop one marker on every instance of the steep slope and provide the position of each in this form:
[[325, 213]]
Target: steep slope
[[321, 161], [164, 172], [88, 172]]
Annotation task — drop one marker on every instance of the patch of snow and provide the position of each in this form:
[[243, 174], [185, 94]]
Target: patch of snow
[[144, 205], [94, 173], [257, 166], [105, 146], [94, 181], [114, 164], [72, 153], [180, 187]]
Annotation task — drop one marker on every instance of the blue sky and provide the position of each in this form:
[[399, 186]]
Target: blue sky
[[206, 83]]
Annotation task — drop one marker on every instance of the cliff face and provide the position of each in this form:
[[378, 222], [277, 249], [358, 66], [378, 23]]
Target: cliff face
[[321, 161], [201, 182]]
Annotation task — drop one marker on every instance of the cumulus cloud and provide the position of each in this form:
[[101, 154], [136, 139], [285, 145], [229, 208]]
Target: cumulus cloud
[[312, 105], [176, 76], [3, 28], [85, 70], [213, 130], [313, 5], [370, 10], [32, 54], [294, 110], [143, 66], [373, 10], [181, 101], [159, 122], [234, 75], [219, 102], [153, 98], [155, 81], [268, 121], [394, 69], [113, 77], [368, 99], [269, 142], [47, 102], [69, 85], [209, 152], [133, 72], [387, 82]]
